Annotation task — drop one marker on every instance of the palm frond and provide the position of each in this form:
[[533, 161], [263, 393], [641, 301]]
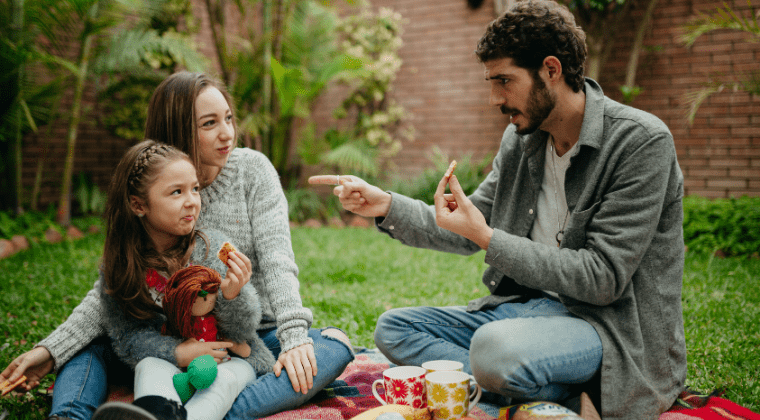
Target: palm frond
[[694, 99], [353, 157], [722, 18], [128, 51]]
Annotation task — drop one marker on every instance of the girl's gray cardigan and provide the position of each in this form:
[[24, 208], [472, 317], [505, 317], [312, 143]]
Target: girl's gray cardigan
[[237, 319]]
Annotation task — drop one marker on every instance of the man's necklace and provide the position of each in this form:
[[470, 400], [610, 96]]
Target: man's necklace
[[560, 229]]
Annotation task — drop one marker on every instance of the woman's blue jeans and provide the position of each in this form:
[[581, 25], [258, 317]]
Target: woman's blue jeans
[[81, 385], [536, 350], [270, 394]]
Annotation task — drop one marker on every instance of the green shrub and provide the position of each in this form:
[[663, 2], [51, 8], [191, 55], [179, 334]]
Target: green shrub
[[31, 224], [730, 226], [305, 203], [469, 174]]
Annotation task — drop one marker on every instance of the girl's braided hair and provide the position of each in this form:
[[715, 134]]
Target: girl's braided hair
[[128, 251], [532, 30], [181, 291]]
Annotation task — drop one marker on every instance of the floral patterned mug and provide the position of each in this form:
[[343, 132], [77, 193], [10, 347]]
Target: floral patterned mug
[[404, 385], [449, 394]]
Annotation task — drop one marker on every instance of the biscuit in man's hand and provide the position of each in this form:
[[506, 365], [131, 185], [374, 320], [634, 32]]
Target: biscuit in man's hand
[[224, 252], [450, 171]]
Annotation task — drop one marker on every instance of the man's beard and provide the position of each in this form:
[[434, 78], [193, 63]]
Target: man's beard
[[541, 102]]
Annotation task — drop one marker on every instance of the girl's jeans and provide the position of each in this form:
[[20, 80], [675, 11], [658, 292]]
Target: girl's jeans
[[533, 351], [81, 386]]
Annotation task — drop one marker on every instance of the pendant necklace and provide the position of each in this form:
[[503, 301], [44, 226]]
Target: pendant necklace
[[560, 229]]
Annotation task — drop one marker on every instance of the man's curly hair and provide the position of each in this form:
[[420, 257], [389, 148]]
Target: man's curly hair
[[532, 30]]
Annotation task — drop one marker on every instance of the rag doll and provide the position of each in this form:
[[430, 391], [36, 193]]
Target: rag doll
[[190, 304]]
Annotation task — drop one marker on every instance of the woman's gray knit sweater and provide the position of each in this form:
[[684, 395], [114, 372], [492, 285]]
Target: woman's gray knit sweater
[[246, 203]]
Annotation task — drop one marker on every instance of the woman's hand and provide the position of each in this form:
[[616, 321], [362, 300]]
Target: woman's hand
[[35, 364], [301, 365], [238, 274], [192, 348]]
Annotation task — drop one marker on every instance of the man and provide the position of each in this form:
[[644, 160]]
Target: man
[[581, 220]]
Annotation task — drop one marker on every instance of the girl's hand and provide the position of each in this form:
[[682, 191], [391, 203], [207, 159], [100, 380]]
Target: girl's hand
[[35, 364], [192, 348], [238, 274], [301, 365]]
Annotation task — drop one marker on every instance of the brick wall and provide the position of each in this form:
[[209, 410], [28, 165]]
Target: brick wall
[[720, 152], [441, 85]]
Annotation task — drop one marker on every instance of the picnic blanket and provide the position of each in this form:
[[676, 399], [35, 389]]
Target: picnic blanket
[[693, 406], [351, 395]]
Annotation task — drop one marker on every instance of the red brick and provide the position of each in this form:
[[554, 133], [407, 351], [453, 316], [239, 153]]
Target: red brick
[[723, 163], [745, 131], [729, 141], [684, 162], [700, 48], [694, 183], [743, 173], [727, 183], [708, 193], [708, 172], [733, 121], [708, 152], [745, 152]]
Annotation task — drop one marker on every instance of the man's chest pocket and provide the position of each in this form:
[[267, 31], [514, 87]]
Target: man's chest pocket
[[575, 231]]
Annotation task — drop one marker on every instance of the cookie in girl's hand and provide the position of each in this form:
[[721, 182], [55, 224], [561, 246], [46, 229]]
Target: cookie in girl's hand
[[224, 252]]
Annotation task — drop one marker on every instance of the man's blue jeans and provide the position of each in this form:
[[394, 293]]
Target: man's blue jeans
[[536, 350], [81, 385]]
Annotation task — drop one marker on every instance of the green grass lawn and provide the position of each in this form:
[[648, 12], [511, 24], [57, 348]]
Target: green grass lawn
[[350, 276]]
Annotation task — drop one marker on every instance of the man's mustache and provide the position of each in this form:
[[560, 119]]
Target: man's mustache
[[507, 111]]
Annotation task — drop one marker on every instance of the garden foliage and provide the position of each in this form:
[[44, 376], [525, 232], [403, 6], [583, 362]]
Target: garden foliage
[[730, 226]]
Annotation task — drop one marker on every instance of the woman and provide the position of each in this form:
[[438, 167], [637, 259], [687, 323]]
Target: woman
[[241, 197]]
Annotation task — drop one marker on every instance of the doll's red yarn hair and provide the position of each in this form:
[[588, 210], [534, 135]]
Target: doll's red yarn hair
[[181, 291]]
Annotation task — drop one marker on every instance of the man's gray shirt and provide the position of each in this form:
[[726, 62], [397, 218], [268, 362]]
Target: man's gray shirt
[[620, 264]]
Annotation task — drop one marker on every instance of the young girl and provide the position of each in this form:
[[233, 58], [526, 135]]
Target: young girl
[[153, 204]]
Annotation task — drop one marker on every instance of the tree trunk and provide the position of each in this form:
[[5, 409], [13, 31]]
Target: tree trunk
[[594, 59], [216, 15], [633, 60], [64, 205], [18, 26], [266, 100]]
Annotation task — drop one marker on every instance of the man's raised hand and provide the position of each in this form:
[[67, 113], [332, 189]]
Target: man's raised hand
[[456, 213]]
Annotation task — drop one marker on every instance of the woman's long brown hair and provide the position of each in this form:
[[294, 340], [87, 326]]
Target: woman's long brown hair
[[171, 111], [128, 250], [181, 291]]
